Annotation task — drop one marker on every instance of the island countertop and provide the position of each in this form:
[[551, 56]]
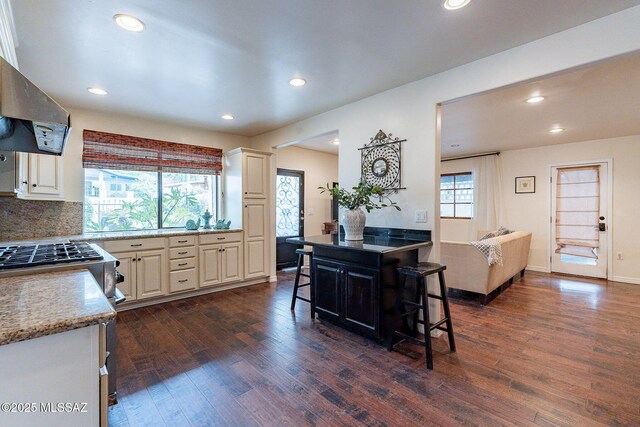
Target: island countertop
[[36, 305], [371, 243]]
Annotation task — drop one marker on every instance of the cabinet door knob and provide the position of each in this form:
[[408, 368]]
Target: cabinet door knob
[[34, 185], [24, 182], [139, 259]]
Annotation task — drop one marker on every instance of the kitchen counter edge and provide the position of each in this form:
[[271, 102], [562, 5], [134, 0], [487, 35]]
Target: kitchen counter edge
[[43, 317]]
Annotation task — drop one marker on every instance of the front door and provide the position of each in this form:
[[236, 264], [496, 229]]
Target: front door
[[579, 218], [289, 215]]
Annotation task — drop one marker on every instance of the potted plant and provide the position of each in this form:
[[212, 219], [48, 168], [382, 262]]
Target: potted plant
[[362, 195]]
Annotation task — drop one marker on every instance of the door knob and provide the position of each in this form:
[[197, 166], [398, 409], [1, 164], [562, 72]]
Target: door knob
[[601, 218]]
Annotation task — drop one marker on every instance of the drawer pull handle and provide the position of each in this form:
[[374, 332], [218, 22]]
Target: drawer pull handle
[[136, 245], [183, 280], [183, 253], [182, 264], [221, 238], [182, 241]]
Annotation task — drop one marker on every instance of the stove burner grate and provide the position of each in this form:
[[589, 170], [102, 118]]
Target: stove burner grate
[[45, 254]]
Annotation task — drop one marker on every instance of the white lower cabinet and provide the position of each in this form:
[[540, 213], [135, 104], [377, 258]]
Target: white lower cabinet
[[145, 273], [160, 267], [220, 264]]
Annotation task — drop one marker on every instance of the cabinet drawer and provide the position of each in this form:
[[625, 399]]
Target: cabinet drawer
[[178, 241], [186, 252], [208, 239], [184, 280], [134, 244], [182, 264]]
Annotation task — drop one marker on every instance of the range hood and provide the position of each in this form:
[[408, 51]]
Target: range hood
[[30, 121]]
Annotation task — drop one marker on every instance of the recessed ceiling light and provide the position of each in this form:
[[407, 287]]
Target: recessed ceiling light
[[455, 4], [97, 91], [455, 145], [128, 22], [556, 130], [297, 82], [535, 99], [336, 142], [227, 117]]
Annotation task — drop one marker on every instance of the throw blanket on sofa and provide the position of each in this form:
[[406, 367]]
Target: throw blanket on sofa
[[491, 249]]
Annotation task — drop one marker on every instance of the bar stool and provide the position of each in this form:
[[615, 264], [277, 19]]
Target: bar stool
[[301, 254], [421, 271]]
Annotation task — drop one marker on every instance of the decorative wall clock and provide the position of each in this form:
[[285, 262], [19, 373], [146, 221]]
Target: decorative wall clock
[[380, 162]]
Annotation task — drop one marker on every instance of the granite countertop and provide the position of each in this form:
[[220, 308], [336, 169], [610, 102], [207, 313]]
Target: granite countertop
[[36, 305], [371, 243], [119, 235]]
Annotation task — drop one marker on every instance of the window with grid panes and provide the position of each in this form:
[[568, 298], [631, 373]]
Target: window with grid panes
[[456, 195]]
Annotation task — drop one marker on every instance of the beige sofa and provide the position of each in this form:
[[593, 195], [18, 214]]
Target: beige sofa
[[468, 270]]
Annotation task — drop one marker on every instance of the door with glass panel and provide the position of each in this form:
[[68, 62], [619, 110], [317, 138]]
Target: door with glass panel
[[289, 215], [579, 233]]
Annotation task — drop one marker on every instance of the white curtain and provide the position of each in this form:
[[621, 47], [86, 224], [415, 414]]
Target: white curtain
[[489, 209]]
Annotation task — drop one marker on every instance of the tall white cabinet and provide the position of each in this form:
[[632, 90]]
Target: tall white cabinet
[[247, 193]]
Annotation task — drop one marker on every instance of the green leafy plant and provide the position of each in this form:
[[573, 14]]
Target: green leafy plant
[[363, 195]]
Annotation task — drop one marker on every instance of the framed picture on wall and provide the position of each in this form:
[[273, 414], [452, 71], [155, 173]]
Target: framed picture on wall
[[525, 184]]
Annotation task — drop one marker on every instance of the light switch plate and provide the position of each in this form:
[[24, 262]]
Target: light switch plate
[[421, 216]]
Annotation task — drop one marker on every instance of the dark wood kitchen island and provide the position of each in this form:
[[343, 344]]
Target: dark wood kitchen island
[[355, 282]]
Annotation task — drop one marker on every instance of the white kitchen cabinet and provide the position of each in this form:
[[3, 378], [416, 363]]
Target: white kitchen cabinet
[[247, 201], [255, 175], [127, 268], [183, 268], [220, 264], [256, 243], [145, 273], [40, 177], [231, 262], [151, 273], [210, 274]]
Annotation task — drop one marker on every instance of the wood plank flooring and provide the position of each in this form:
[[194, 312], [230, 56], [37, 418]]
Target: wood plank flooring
[[551, 350]]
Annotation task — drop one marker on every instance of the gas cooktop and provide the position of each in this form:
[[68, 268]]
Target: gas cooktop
[[45, 254]]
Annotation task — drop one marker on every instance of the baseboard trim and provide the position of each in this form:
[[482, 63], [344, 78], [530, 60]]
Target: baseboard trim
[[153, 301], [632, 280], [537, 268]]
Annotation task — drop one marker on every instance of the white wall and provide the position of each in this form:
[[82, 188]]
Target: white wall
[[409, 111], [134, 126], [319, 169], [531, 211]]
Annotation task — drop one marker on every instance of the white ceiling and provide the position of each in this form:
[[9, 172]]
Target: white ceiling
[[595, 102], [199, 59]]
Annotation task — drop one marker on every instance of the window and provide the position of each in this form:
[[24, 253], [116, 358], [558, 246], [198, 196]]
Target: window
[[129, 200], [456, 195]]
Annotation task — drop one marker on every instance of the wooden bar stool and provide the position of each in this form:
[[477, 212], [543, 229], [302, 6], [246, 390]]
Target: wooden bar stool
[[421, 271], [301, 254]]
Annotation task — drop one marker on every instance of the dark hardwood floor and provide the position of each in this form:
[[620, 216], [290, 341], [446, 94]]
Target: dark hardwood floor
[[551, 350]]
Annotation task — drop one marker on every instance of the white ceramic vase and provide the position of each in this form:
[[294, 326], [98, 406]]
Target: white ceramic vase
[[353, 222]]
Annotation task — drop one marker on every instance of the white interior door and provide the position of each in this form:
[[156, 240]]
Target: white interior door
[[584, 213]]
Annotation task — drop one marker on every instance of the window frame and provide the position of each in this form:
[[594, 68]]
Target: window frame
[[454, 203], [215, 189]]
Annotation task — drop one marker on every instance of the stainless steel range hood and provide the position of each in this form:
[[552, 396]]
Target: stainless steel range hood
[[30, 121]]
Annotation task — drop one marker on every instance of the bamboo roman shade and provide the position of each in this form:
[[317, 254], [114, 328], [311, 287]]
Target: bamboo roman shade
[[104, 150], [577, 211]]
